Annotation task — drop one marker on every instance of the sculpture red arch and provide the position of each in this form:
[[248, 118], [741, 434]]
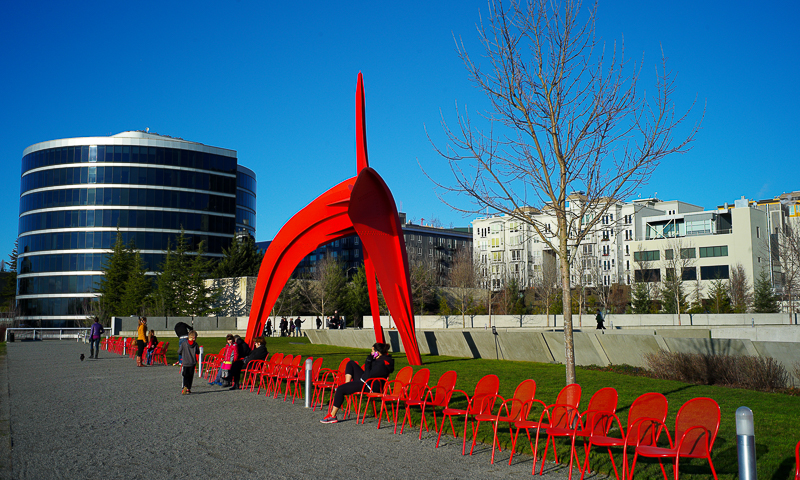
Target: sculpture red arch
[[360, 205]]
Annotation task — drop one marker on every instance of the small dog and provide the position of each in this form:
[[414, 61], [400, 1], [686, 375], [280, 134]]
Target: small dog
[[82, 357]]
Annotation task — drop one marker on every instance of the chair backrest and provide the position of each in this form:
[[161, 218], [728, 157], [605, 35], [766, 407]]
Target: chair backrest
[[702, 412], [566, 407], [445, 385], [416, 389], [275, 363], [649, 405], [486, 386], [400, 381], [315, 368], [518, 404], [295, 367], [601, 407], [164, 348]]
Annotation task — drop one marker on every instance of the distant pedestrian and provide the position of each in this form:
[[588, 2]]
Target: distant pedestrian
[[297, 324], [600, 320], [188, 352], [94, 338], [319, 323], [152, 343], [291, 327], [268, 329]]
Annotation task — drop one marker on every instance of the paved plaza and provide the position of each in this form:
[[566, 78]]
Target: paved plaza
[[109, 419]]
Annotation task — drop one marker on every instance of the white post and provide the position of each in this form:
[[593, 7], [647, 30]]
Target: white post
[[746, 443], [309, 364], [200, 364]]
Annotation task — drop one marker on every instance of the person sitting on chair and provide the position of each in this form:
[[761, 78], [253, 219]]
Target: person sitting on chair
[[379, 364]]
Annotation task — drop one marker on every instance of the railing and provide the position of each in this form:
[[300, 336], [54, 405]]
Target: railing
[[30, 333]]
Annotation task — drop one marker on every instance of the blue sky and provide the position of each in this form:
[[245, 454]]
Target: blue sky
[[276, 83]]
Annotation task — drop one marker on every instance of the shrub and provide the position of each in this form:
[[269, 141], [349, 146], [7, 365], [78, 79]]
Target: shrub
[[755, 373]]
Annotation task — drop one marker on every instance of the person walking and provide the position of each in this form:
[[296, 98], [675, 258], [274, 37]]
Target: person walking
[[297, 323], [94, 338], [182, 331], [319, 323], [268, 329], [600, 320], [188, 352]]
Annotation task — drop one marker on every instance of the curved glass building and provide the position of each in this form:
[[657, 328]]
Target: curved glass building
[[76, 192]]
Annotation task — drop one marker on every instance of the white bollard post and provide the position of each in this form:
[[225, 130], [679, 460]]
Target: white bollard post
[[746, 443], [200, 364], [309, 363]]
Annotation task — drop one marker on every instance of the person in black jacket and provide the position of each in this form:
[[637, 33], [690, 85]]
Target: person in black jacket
[[378, 365], [258, 353]]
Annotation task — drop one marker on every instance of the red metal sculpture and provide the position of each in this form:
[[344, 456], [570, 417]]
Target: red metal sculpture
[[360, 205]]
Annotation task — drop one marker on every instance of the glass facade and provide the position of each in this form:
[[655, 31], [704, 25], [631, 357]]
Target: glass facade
[[246, 200], [76, 193]]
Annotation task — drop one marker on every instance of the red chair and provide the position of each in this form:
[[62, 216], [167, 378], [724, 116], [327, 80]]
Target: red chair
[[292, 378], [278, 375], [559, 415], [414, 390], [597, 419], [251, 371], [329, 381], [646, 413], [797, 462], [160, 353], [433, 397], [391, 388], [486, 387], [272, 368], [511, 410], [696, 427]]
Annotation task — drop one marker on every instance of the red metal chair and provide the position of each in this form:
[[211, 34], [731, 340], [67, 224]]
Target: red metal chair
[[273, 366], [597, 419], [251, 370], [512, 410], [559, 415], [433, 397], [696, 427], [392, 388], [645, 415], [329, 381], [797, 462], [292, 378], [278, 375], [414, 390], [486, 387], [160, 353]]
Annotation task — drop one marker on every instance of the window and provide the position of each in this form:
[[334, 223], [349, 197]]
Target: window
[[721, 251], [688, 253], [627, 249], [689, 274], [648, 275], [714, 272], [668, 254], [647, 256], [758, 232]]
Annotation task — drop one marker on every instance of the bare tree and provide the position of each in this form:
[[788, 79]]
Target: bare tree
[[326, 289], [679, 260], [566, 116], [741, 289], [423, 281], [462, 282], [789, 259]]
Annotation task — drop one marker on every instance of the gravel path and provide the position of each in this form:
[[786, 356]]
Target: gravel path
[[108, 419]]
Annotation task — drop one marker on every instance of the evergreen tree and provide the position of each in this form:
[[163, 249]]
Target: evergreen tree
[[358, 296], [241, 259], [180, 287], [641, 301], [201, 298], [764, 299], [137, 288], [718, 299], [9, 288], [116, 271], [672, 295]]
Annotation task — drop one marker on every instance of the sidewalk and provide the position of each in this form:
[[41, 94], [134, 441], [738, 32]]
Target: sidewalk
[[108, 419]]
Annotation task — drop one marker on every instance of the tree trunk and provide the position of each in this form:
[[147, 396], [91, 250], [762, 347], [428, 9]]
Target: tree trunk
[[569, 345]]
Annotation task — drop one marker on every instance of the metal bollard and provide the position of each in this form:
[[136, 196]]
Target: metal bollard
[[200, 364], [309, 363], [746, 443]]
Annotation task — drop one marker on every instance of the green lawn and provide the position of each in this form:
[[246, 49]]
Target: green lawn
[[777, 416]]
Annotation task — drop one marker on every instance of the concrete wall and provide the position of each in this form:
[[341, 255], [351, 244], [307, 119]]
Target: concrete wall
[[591, 348]]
